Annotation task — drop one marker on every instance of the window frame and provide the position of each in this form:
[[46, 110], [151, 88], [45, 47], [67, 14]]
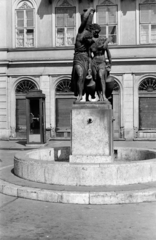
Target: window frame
[[145, 94], [17, 8], [107, 24], [148, 23], [65, 28], [58, 3]]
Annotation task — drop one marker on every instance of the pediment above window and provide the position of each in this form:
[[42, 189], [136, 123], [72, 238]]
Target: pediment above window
[[65, 3], [107, 2], [25, 5]]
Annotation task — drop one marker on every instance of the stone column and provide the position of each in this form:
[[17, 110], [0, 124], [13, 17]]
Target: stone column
[[92, 140], [128, 106], [44, 85]]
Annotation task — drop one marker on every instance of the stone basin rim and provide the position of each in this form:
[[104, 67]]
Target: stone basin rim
[[86, 174], [23, 156]]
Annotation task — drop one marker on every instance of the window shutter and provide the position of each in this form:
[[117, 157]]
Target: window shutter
[[63, 110], [101, 15], [20, 114], [145, 13], [147, 112]]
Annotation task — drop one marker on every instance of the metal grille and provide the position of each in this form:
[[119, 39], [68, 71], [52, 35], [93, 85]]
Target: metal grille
[[63, 86], [148, 84], [25, 86]]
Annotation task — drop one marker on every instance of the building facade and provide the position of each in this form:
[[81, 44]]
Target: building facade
[[36, 52]]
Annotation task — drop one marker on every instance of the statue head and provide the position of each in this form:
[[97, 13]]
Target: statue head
[[94, 28]]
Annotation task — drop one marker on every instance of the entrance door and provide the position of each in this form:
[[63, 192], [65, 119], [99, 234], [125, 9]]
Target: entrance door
[[22, 88]]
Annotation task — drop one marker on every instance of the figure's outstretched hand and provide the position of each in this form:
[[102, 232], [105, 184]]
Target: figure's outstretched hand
[[91, 9]]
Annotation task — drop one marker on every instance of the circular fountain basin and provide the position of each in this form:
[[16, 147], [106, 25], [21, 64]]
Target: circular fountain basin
[[52, 166]]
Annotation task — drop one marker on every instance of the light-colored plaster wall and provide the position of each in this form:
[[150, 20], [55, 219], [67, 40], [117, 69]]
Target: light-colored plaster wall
[[44, 24], [10, 23], [128, 22], [3, 28]]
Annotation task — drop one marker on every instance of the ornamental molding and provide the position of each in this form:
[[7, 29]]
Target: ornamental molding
[[107, 2], [65, 3], [25, 5]]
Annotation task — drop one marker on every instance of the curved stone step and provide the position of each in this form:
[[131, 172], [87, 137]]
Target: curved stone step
[[15, 186]]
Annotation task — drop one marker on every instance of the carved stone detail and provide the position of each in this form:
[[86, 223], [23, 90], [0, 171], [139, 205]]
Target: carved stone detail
[[25, 5], [107, 2], [65, 3]]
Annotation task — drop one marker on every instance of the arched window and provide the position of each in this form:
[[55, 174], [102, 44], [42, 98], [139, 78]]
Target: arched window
[[147, 104], [65, 20], [22, 88], [25, 86], [107, 18], [25, 24], [63, 86], [64, 101]]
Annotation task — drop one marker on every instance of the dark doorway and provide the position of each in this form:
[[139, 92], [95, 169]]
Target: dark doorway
[[22, 88], [34, 116]]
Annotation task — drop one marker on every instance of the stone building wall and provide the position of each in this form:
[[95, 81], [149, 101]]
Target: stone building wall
[[46, 64]]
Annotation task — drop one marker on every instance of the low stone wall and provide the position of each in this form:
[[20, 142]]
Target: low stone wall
[[51, 166]]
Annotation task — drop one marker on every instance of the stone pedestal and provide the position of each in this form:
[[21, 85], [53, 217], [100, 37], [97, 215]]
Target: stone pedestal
[[92, 140]]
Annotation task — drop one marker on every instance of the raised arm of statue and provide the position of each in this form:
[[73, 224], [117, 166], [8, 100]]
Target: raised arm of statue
[[85, 19]]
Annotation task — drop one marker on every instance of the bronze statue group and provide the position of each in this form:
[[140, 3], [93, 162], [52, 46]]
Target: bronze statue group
[[91, 71]]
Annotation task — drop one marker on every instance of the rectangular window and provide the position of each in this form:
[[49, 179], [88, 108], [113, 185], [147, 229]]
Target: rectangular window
[[65, 26], [107, 19], [25, 28], [147, 23]]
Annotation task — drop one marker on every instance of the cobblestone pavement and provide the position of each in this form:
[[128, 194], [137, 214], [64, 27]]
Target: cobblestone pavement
[[23, 219]]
